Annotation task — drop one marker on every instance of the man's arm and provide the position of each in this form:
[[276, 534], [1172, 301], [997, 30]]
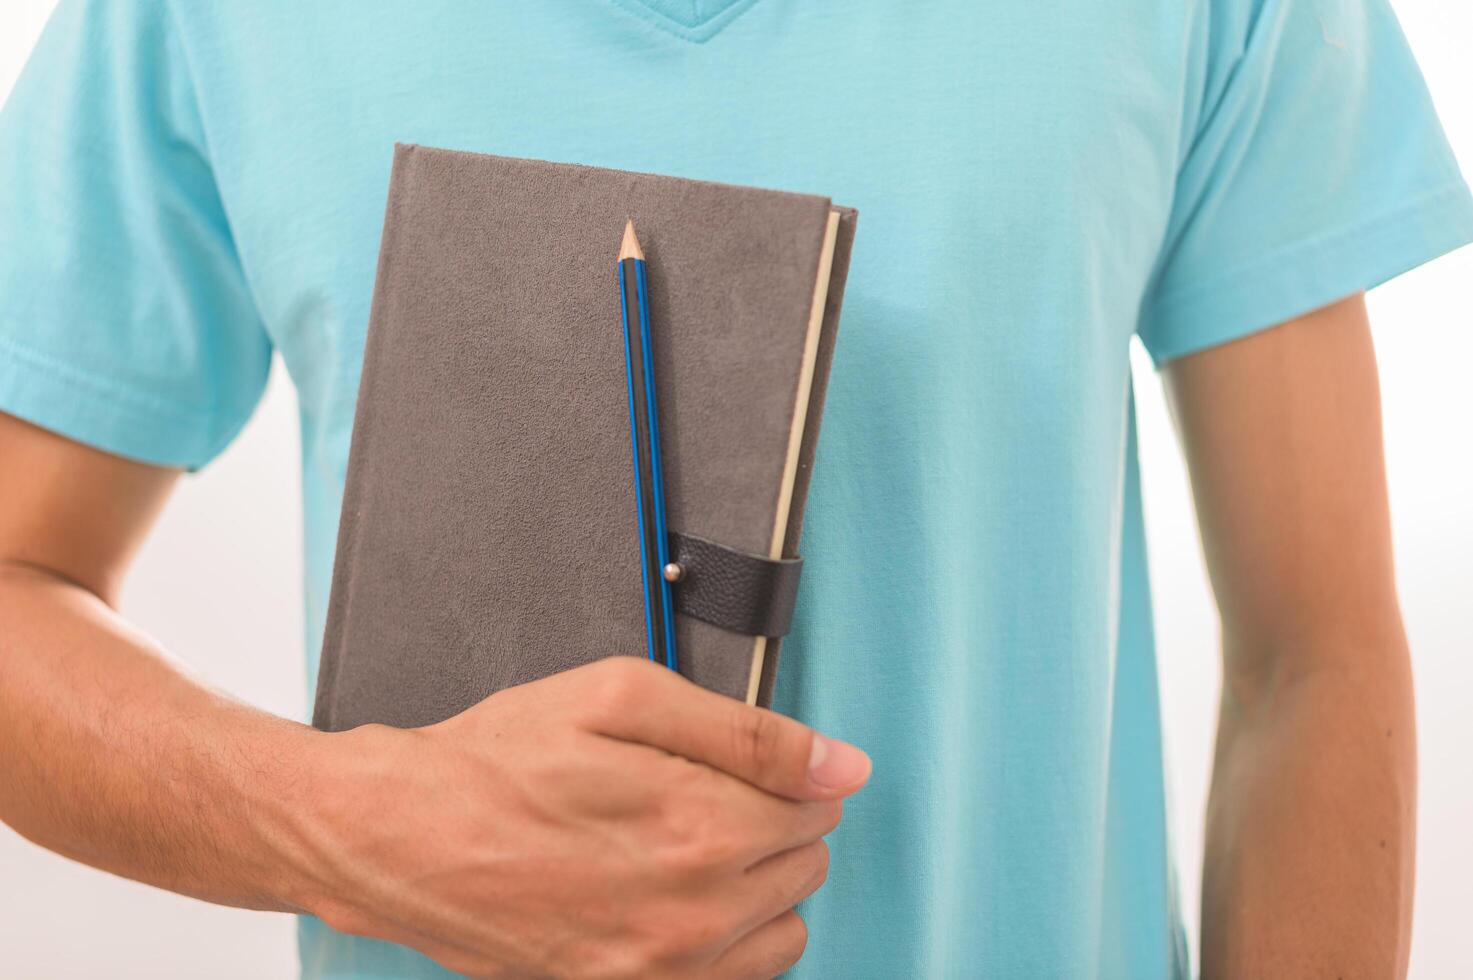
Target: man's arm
[[611, 821], [1311, 819], [109, 754]]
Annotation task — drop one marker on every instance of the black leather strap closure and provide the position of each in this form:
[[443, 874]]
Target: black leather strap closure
[[735, 590]]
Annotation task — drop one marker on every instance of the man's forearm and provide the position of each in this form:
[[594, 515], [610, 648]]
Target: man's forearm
[[547, 831], [1311, 821], [111, 756]]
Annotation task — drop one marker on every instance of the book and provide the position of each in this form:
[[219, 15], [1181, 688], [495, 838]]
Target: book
[[488, 534]]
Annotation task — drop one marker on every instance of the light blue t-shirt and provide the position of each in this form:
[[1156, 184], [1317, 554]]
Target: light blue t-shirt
[[187, 186]]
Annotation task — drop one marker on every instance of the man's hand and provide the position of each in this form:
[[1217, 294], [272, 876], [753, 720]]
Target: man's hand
[[612, 821]]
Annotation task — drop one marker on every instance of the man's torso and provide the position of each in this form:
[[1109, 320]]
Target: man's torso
[[974, 609]]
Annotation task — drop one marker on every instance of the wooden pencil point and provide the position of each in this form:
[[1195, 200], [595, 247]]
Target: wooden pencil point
[[630, 248]]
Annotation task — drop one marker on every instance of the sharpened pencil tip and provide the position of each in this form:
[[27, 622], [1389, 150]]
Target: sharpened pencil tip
[[630, 248]]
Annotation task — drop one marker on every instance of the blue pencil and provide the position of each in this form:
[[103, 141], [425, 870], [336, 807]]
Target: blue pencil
[[644, 433]]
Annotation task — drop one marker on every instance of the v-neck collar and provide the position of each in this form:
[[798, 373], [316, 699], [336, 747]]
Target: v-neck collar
[[693, 20]]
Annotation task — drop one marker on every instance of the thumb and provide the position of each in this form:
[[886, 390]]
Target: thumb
[[639, 701]]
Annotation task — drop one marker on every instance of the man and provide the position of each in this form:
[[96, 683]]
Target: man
[[186, 187]]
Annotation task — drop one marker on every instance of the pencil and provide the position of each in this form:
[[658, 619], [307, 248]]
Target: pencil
[[644, 433]]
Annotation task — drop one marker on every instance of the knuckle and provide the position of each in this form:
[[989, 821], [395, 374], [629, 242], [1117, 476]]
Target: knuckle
[[819, 871], [681, 936], [343, 918], [698, 840], [623, 963], [757, 735], [615, 670], [809, 872], [620, 683], [703, 930], [718, 849], [797, 942], [654, 953], [791, 943], [694, 831], [829, 815]]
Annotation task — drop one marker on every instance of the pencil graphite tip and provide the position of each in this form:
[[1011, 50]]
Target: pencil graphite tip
[[630, 248]]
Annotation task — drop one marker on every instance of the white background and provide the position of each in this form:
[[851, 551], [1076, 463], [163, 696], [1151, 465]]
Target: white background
[[219, 584]]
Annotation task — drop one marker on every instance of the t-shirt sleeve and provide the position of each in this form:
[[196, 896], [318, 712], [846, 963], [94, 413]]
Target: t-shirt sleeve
[[1313, 166], [125, 318]]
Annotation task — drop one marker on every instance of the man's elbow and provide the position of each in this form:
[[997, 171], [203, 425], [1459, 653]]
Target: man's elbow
[[1362, 645]]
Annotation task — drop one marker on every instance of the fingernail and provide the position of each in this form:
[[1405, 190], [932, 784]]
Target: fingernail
[[832, 763]]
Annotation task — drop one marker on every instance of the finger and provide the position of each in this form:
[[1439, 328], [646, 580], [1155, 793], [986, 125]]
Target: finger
[[766, 952], [786, 825], [640, 701], [773, 824], [779, 883], [716, 824]]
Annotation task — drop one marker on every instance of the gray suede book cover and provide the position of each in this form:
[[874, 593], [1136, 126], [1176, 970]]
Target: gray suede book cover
[[489, 534]]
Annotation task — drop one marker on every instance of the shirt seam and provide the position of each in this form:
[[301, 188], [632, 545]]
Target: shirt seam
[[1321, 270], [206, 152], [1188, 294], [699, 34], [135, 397]]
